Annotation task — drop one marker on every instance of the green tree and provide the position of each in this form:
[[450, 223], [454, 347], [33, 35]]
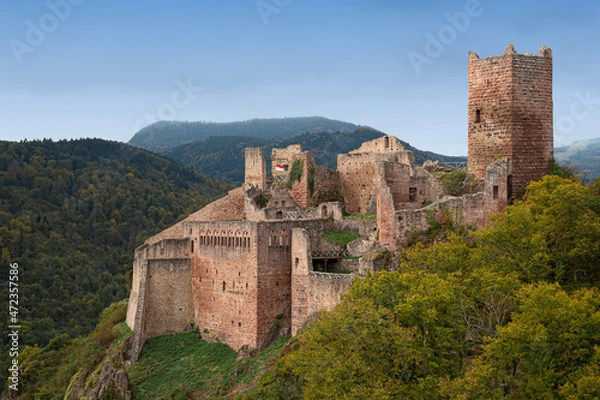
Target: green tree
[[550, 348]]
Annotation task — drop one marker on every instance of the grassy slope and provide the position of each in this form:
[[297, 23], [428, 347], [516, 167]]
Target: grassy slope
[[185, 366]]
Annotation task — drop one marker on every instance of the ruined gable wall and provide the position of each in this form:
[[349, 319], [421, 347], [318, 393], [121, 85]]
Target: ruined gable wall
[[380, 145], [410, 186], [300, 191], [357, 174], [285, 157], [224, 280], [328, 185], [255, 172]]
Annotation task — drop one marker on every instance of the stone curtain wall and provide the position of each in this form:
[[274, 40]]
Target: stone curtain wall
[[225, 281], [510, 113], [156, 266], [301, 265], [169, 307]]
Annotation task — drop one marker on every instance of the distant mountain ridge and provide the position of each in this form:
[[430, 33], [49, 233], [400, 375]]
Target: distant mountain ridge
[[223, 157], [164, 135], [582, 155]]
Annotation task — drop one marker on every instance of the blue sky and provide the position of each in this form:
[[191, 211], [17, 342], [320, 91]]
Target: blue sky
[[105, 68]]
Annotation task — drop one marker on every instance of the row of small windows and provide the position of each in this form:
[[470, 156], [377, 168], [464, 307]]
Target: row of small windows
[[281, 239], [224, 239]]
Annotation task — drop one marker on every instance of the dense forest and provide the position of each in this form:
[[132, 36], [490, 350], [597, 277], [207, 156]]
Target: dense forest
[[168, 134], [223, 157], [71, 215], [508, 312]]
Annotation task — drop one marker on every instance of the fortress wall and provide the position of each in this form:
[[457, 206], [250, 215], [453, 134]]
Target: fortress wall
[[147, 295], [357, 175], [274, 276], [473, 210], [301, 265], [328, 185], [275, 271], [169, 306], [386, 212], [224, 280], [325, 290]]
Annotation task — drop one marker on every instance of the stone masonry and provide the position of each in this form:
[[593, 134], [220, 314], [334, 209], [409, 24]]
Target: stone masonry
[[510, 114], [254, 265]]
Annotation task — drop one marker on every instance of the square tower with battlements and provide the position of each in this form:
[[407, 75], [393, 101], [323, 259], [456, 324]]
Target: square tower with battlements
[[510, 114]]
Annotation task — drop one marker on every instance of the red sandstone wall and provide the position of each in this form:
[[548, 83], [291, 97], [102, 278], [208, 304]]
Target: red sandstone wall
[[301, 264], [169, 307], [300, 191], [513, 94], [328, 185], [357, 173], [224, 280], [274, 276], [255, 168]]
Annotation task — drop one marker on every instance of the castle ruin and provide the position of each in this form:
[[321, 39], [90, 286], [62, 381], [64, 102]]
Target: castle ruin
[[255, 265]]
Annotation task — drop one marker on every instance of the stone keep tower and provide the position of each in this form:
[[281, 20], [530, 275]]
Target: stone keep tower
[[510, 114]]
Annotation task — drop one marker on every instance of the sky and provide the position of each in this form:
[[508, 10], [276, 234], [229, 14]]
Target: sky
[[107, 68]]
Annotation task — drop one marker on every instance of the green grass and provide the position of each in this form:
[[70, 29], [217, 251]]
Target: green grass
[[185, 366], [362, 217], [341, 238], [181, 365]]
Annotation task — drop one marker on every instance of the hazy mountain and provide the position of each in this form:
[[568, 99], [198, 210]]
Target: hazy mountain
[[223, 157], [168, 134], [583, 155]]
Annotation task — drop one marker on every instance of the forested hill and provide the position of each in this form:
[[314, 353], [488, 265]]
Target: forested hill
[[223, 157], [168, 134], [584, 156], [71, 215]]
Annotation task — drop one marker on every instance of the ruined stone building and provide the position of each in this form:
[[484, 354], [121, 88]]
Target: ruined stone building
[[254, 264]]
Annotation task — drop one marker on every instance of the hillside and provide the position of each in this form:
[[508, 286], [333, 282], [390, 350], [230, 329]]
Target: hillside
[[583, 155], [71, 215], [223, 157], [512, 312], [168, 134]]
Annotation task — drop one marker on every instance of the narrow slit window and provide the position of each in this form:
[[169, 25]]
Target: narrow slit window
[[478, 116], [412, 194], [495, 192]]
